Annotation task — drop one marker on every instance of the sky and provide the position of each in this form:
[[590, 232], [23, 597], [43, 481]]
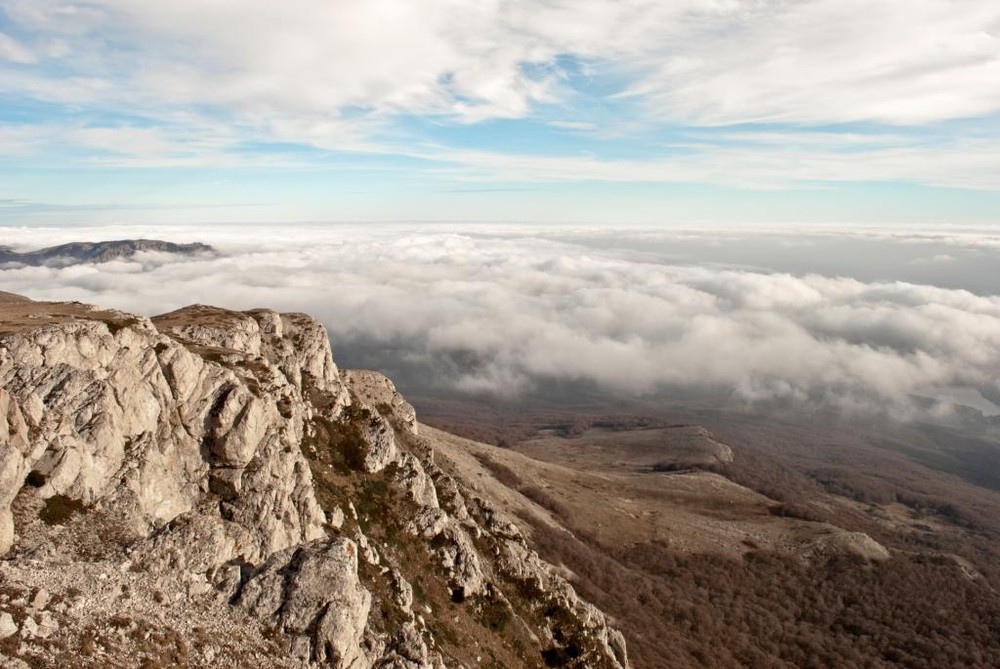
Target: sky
[[605, 111], [762, 200]]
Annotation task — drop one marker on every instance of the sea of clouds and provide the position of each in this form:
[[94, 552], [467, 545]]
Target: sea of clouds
[[506, 310]]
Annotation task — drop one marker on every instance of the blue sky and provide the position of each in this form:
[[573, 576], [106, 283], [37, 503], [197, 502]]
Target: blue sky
[[623, 111]]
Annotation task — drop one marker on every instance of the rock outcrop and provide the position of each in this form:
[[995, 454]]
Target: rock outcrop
[[376, 390], [207, 488], [314, 594]]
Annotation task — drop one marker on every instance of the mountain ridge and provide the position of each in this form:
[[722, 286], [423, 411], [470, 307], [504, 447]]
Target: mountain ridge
[[208, 487], [98, 252]]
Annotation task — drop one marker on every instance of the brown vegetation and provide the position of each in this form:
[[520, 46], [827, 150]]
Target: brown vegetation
[[935, 603], [58, 509], [775, 611]]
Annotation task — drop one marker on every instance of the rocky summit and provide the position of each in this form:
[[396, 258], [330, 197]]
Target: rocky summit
[[207, 488]]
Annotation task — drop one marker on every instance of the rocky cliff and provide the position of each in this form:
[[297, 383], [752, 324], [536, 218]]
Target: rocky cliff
[[206, 488]]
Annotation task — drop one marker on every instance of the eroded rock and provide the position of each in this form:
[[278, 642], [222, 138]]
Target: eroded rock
[[313, 595], [158, 475]]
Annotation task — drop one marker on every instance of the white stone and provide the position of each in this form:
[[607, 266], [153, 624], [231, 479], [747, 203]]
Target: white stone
[[336, 517], [47, 626], [7, 625], [40, 600], [29, 628]]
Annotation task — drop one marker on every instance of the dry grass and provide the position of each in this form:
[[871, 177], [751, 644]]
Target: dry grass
[[198, 314], [18, 316], [701, 571]]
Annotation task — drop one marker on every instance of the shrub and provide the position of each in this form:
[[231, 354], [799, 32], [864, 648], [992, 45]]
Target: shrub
[[58, 509]]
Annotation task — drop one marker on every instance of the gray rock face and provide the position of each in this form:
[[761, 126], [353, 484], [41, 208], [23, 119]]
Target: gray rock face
[[15, 451], [156, 471], [104, 415], [314, 594], [381, 440], [375, 390]]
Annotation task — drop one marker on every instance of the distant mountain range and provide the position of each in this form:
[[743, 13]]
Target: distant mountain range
[[97, 252]]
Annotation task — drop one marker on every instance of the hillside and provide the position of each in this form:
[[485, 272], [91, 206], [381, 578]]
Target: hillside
[[821, 543]]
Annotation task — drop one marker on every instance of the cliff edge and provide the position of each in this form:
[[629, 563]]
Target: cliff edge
[[207, 488]]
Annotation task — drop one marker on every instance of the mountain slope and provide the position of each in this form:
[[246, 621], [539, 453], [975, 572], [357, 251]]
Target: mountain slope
[[752, 562], [207, 488]]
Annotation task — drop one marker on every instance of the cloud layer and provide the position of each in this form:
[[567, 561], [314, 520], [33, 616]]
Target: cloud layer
[[720, 62], [501, 312], [220, 84]]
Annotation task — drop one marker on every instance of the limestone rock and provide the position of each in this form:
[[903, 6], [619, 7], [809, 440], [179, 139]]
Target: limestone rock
[[336, 517], [313, 594], [368, 551], [381, 441], [161, 472], [409, 648], [47, 626], [413, 478], [460, 557], [377, 391], [136, 415], [40, 600], [451, 498], [402, 590], [7, 625]]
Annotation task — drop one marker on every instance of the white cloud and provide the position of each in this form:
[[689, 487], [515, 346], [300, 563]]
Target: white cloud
[[303, 59], [741, 160], [814, 61], [210, 79], [503, 312], [14, 51], [822, 61], [970, 164], [574, 125], [939, 259]]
